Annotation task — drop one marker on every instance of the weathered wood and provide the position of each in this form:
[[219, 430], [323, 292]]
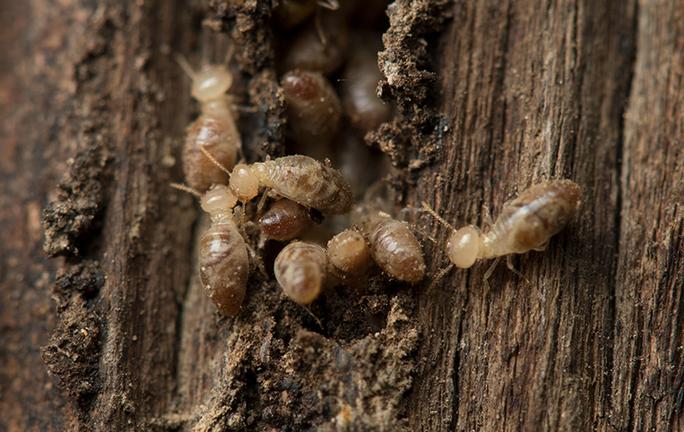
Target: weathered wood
[[648, 344], [491, 97]]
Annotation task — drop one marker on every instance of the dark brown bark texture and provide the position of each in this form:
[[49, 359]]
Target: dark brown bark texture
[[115, 333]]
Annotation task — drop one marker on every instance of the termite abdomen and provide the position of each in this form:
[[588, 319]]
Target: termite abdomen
[[223, 259], [300, 269], [218, 136], [318, 47], [361, 76], [348, 252], [224, 266], [395, 249], [313, 108], [305, 181], [285, 220], [537, 214]]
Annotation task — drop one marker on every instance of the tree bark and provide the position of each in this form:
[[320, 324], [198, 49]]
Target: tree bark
[[491, 97]]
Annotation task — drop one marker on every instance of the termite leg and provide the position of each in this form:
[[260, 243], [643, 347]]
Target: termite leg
[[229, 54], [256, 260], [262, 202], [329, 4], [489, 272], [487, 216], [320, 31], [509, 264]]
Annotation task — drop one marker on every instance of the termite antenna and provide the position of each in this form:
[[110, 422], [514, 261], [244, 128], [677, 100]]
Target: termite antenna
[[320, 324], [423, 233], [436, 216], [183, 63], [439, 276], [185, 188], [213, 160]]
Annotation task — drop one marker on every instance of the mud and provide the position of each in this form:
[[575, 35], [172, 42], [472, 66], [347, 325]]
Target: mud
[[69, 219], [72, 353]]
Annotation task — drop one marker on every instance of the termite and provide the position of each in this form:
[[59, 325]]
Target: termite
[[394, 247], [300, 178], [214, 130], [300, 269], [289, 13], [349, 252], [526, 223], [285, 220], [223, 258], [313, 108], [318, 47], [360, 79]]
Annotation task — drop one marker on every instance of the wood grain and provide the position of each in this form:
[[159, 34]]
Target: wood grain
[[491, 96], [529, 92]]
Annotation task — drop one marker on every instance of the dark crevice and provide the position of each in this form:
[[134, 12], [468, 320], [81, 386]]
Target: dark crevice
[[456, 397], [580, 69], [455, 375], [617, 223], [619, 150]]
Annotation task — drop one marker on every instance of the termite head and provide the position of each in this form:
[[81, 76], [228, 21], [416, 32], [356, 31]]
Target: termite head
[[211, 82], [244, 182], [463, 246], [219, 202]]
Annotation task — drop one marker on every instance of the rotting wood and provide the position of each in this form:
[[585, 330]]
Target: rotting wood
[[523, 92]]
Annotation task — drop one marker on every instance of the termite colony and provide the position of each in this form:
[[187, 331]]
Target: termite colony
[[337, 233], [330, 95]]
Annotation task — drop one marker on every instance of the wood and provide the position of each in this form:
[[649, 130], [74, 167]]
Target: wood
[[491, 96]]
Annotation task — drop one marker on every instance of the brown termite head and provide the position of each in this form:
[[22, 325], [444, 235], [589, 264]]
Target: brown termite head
[[223, 259], [214, 130], [300, 269], [395, 248], [305, 181], [313, 108], [285, 220], [319, 47], [365, 109], [526, 223], [348, 252]]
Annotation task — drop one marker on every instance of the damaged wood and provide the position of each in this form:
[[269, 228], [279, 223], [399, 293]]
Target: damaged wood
[[118, 334]]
